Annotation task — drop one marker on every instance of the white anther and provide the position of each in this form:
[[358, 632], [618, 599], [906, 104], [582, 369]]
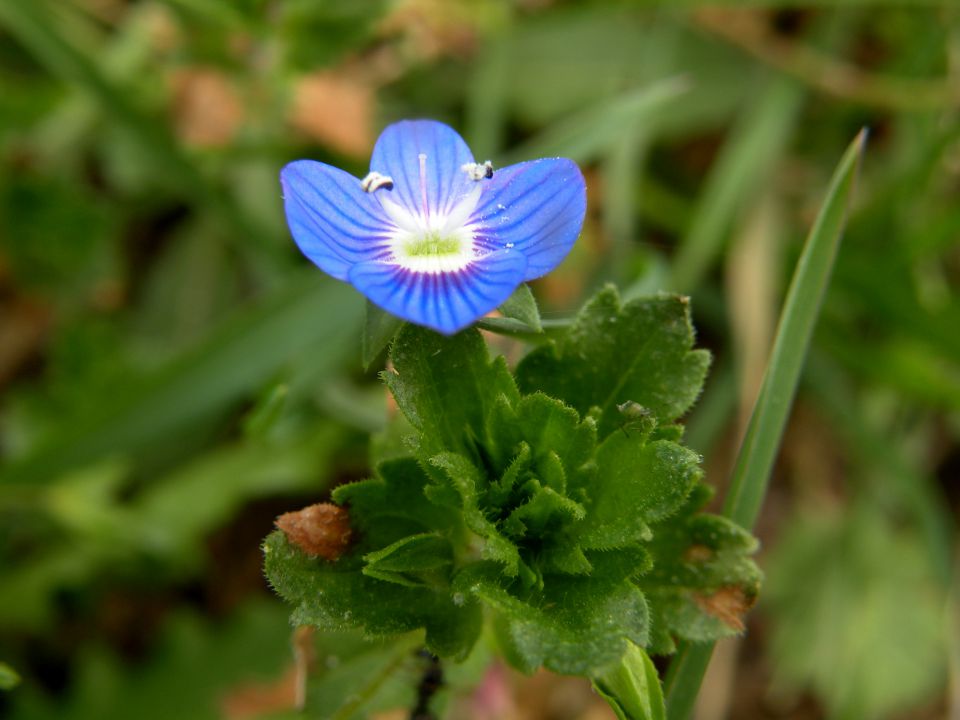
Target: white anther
[[478, 171], [374, 181]]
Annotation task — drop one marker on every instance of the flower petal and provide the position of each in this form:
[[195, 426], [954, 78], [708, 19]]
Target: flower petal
[[536, 207], [439, 178], [448, 301], [333, 221]]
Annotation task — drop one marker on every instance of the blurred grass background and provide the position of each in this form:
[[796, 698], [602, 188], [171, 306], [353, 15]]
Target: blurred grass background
[[174, 375]]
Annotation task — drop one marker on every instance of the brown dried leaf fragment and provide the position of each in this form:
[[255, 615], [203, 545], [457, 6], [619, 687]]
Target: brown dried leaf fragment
[[728, 604], [321, 530]]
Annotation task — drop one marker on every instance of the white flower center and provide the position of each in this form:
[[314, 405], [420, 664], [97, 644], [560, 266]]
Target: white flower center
[[430, 242]]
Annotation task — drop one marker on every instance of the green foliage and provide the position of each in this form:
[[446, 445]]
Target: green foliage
[[152, 301], [576, 548], [640, 352], [633, 688], [700, 565], [869, 625]]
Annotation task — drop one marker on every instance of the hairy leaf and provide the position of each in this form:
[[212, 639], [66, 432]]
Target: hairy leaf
[[338, 596], [617, 353], [703, 579], [444, 386]]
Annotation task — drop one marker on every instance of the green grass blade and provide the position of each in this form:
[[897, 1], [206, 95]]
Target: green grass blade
[[762, 440]]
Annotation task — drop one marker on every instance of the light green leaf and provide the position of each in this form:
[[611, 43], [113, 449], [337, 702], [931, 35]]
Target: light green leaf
[[522, 306], [379, 328], [632, 688], [577, 625], [466, 480]]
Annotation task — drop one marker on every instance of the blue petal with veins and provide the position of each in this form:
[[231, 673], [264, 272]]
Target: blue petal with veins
[[445, 244]]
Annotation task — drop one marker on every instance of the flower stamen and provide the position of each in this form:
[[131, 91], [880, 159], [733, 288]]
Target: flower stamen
[[374, 181]]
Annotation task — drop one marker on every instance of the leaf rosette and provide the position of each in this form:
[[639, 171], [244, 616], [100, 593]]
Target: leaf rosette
[[560, 503]]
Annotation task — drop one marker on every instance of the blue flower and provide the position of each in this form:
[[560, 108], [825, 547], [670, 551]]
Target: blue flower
[[430, 235]]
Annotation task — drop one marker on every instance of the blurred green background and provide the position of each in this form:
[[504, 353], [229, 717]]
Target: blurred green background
[[174, 375]]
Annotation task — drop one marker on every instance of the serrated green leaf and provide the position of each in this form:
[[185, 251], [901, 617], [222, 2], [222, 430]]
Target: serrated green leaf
[[613, 354], [500, 491], [465, 479], [576, 625], [445, 385], [522, 306], [552, 431], [637, 483], [544, 509], [702, 579], [338, 596], [632, 688], [396, 494], [379, 328]]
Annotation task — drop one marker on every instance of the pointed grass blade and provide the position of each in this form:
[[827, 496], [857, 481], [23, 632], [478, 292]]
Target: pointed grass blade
[[762, 440]]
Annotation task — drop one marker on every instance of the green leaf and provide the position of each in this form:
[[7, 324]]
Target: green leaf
[[613, 354], [632, 688], [636, 483], [522, 306], [768, 419], [392, 504], [548, 428], [335, 596], [576, 625], [379, 328], [407, 557], [466, 480], [544, 509], [444, 385], [702, 579]]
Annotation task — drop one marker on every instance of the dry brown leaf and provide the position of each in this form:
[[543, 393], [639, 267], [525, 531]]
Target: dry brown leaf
[[728, 604], [319, 530]]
